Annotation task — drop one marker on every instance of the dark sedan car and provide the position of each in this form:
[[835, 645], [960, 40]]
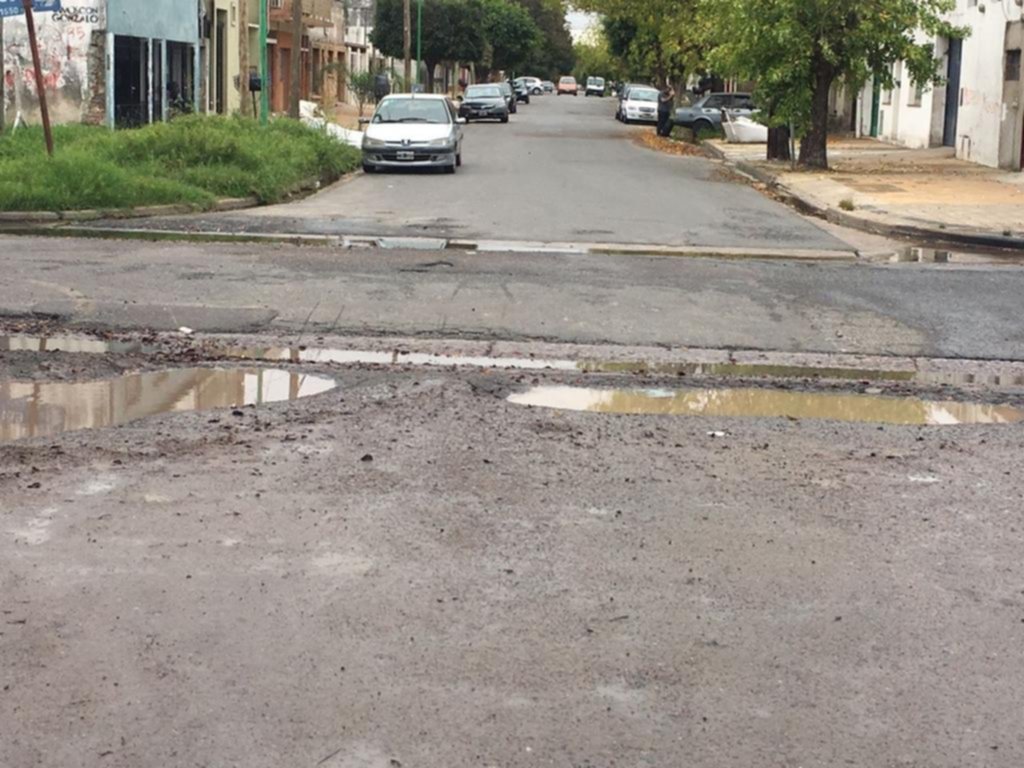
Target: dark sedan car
[[484, 102]]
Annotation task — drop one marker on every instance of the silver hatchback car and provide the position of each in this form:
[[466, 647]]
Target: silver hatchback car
[[413, 130]]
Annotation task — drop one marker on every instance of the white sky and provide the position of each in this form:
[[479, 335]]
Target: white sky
[[579, 22]]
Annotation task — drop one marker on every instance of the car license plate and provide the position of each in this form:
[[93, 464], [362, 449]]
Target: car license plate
[[406, 155]]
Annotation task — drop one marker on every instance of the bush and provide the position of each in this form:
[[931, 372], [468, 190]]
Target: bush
[[193, 159]]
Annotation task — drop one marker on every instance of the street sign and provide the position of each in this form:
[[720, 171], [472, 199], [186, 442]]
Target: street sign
[[17, 7]]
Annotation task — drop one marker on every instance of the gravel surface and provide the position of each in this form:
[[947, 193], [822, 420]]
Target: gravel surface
[[410, 571]]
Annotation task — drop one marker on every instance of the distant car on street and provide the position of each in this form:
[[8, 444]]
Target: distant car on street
[[413, 131], [595, 86], [509, 94], [484, 102], [568, 84], [705, 114], [533, 85], [640, 105], [548, 86]]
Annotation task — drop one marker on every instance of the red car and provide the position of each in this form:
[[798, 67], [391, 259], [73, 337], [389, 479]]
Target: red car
[[568, 85]]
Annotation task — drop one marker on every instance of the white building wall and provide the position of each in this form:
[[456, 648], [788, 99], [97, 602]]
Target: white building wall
[[981, 79], [982, 109]]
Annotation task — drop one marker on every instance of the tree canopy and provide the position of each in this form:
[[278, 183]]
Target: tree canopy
[[511, 34], [795, 50]]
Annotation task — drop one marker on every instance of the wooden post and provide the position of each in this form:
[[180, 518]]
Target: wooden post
[[296, 94], [243, 58], [30, 22]]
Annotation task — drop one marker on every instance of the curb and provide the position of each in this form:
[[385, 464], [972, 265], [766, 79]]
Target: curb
[[847, 219], [355, 242], [10, 220]]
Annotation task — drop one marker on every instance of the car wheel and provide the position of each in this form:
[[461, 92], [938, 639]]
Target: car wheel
[[537, 91], [702, 125], [458, 160]]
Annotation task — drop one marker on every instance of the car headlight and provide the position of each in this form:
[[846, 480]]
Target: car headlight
[[371, 143], [447, 141]]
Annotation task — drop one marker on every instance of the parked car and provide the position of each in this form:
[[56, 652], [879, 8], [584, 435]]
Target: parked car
[[533, 85], [568, 84], [624, 94], [705, 114], [522, 91], [509, 94], [413, 131], [548, 86], [484, 102], [640, 105], [595, 86]]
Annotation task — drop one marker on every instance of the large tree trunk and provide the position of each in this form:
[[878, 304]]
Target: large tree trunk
[[430, 67], [778, 143], [814, 145]]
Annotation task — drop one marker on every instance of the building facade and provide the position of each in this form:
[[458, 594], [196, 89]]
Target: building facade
[[978, 110], [128, 62]]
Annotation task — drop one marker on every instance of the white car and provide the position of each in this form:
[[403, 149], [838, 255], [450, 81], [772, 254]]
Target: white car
[[534, 85], [640, 105], [413, 130]]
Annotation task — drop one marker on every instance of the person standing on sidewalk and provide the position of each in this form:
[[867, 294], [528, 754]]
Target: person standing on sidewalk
[[666, 100]]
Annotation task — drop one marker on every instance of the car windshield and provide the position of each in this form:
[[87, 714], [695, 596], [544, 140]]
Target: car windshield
[[483, 92], [412, 111], [643, 94]]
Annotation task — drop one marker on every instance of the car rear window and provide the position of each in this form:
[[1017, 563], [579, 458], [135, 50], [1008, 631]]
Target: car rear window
[[483, 92]]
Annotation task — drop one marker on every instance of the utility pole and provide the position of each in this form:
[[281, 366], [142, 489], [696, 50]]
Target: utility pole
[[30, 22], [3, 81], [243, 58], [407, 40], [264, 68], [293, 108]]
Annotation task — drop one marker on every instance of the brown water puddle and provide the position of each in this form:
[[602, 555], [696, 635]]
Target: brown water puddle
[[767, 403], [40, 409]]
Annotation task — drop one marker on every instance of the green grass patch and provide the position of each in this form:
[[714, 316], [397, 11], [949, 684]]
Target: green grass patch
[[193, 159]]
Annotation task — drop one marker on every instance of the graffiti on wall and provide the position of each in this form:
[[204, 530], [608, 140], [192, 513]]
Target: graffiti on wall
[[65, 40]]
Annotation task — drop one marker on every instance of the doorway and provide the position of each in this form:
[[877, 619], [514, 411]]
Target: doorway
[[131, 81], [953, 55]]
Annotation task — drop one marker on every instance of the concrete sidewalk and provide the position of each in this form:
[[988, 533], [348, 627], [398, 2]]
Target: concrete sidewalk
[[894, 191]]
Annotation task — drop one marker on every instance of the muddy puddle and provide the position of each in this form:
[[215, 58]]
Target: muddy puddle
[[766, 403], [991, 376], [41, 408]]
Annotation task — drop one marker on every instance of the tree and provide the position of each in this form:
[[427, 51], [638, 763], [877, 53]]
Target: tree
[[553, 56], [797, 49], [452, 32], [361, 85], [593, 58], [511, 35], [654, 39]]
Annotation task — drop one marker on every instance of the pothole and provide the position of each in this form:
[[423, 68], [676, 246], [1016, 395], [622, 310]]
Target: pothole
[[46, 408], [766, 403]]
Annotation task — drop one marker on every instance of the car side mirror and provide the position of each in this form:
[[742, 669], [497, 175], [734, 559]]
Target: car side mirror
[[460, 120], [460, 97]]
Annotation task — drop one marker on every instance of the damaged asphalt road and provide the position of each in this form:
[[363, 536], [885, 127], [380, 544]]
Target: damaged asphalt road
[[949, 310], [409, 570]]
